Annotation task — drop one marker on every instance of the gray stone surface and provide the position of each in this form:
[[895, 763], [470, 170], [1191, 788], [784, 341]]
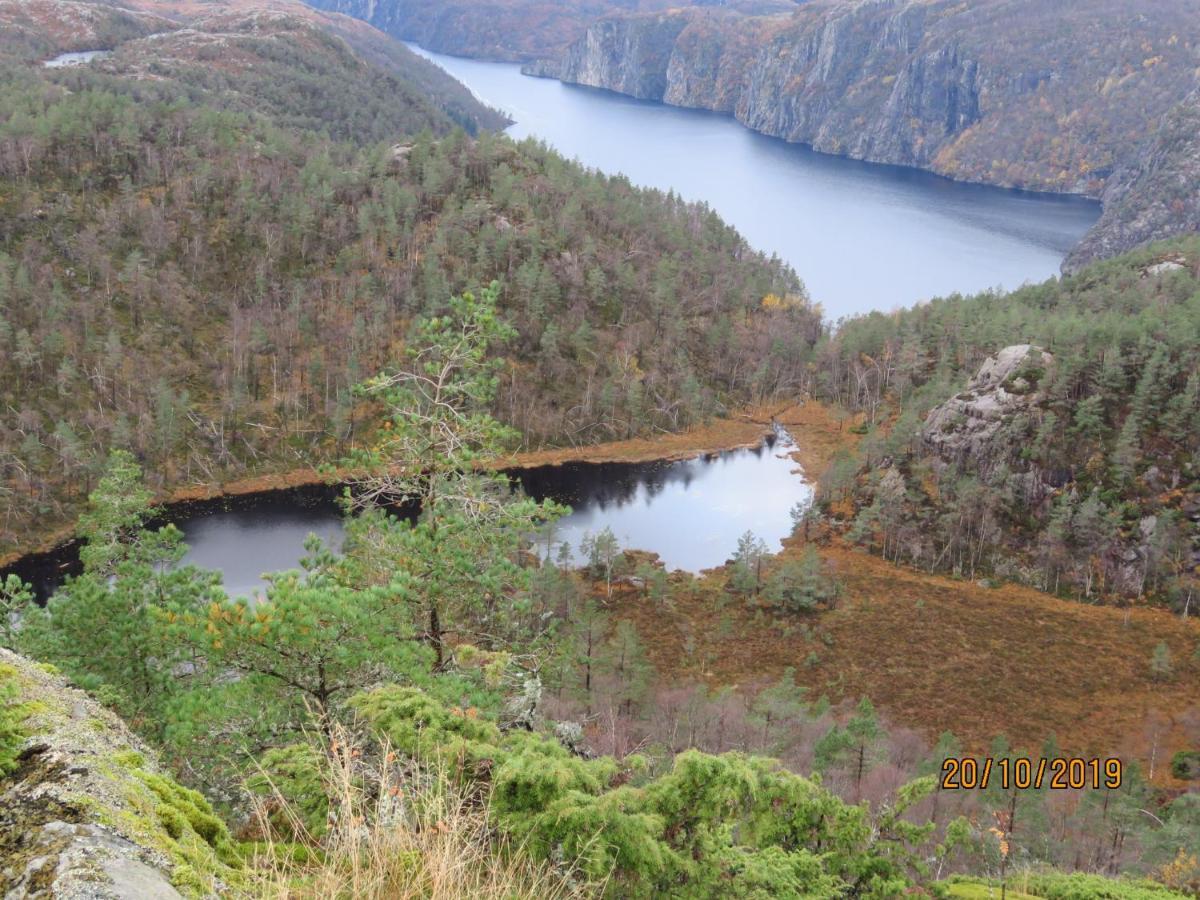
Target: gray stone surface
[[967, 424], [76, 819]]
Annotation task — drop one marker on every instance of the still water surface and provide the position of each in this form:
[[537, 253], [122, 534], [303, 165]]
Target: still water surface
[[78, 58], [690, 512], [862, 236]]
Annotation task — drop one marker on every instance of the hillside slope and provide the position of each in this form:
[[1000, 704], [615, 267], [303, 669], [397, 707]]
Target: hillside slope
[[312, 70], [1047, 435], [1155, 195], [186, 276]]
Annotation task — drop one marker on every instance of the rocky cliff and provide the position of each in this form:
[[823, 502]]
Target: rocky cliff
[[1018, 93], [530, 31], [967, 427], [1155, 195], [86, 812]]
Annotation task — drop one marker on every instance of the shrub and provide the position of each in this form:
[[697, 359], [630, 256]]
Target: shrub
[[12, 718], [1185, 765]]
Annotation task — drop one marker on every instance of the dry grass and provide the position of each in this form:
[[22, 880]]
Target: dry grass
[[411, 835], [940, 654]]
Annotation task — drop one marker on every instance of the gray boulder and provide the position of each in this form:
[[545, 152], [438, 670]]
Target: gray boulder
[[966, 426]]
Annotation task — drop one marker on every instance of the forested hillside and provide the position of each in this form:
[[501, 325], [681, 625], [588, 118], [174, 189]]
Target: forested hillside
[[185, 276], [1072, 465], [307, 69]]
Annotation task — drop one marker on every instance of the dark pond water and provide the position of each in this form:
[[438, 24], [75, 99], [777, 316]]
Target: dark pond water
[[862, 236], [690, 512]]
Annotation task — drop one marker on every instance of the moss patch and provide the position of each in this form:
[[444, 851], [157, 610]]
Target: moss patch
[[181, 823], [13, 714]]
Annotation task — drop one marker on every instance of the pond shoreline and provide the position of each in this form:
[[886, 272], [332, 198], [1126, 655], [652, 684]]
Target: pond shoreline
[[810, 422]]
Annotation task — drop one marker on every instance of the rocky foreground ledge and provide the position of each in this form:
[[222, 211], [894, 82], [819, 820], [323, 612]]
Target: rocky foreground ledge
[[88, 812]]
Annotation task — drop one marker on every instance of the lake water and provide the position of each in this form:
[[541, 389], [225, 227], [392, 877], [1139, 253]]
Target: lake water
[[862, 236], [690, 512], [75, 59]]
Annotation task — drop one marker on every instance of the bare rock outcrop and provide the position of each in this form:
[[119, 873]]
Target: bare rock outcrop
[[88, 813], [968, 425]]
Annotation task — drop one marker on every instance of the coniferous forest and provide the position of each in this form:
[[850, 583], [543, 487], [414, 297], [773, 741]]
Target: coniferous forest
[[256, 241]]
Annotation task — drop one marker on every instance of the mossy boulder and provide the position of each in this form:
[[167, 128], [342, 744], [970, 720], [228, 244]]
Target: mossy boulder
[[86, 810]]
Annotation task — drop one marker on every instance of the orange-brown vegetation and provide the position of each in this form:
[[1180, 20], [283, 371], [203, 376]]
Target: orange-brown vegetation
[[937, 654]]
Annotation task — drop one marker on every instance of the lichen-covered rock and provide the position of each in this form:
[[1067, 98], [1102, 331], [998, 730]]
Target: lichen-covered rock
[[88, 813], [967, 425]]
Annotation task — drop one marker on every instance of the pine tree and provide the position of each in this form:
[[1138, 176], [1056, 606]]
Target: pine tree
[[15, 598], [747, 571], [778, 703], [1160, 662], [463, 549], [106, 627], [854, 747]]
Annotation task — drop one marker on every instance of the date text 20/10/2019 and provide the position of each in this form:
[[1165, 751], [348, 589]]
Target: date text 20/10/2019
[[1024, 773]]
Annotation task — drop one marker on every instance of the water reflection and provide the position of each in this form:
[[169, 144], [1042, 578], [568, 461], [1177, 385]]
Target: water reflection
[[690, 512]]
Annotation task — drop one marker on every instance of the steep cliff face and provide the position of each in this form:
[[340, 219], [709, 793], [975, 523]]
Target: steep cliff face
[[1155, 195], [509, 30], [528, 31], [626, 55], [1008, 92]]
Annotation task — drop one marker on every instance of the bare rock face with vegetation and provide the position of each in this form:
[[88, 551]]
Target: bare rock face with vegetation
[[86, 811], [968, 424], [1154, 195], [1020, 93]]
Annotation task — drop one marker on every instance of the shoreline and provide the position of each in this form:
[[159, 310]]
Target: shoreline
[[542, 68], [745, 428]]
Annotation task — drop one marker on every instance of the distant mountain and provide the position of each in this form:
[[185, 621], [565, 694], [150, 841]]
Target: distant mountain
[[1021, 93], [1067, 98]]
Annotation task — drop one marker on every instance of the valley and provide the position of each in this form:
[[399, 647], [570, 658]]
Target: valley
[[423, 479]]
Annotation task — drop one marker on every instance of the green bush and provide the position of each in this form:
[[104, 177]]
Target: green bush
[[12, 718], [1077, 886], [296, 774], [711, 826], [1185, 765]]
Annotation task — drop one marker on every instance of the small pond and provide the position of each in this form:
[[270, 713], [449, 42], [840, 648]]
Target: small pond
[[690, 512], [77, 58]]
